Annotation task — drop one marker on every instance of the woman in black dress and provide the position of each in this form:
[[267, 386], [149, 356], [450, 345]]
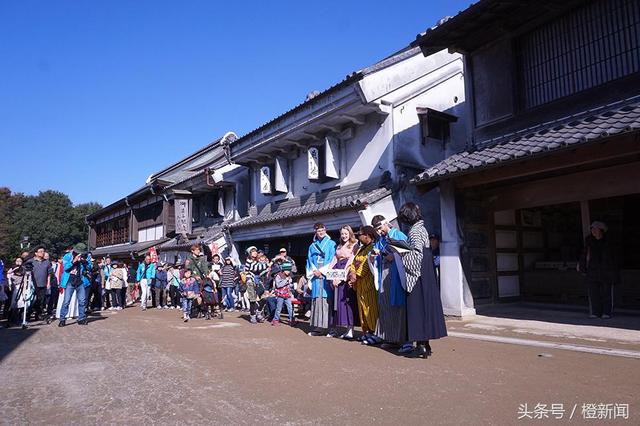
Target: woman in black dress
[[425, 319]]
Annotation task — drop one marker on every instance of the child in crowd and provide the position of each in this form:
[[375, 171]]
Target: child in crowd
[[189, 290], [173, 278], [228, 276], [282, 288]]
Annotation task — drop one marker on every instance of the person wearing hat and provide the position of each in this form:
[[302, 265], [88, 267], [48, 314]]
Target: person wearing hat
[[73, 282], [284, 257], [160, 286], [597, 263], [116, 282], [253, 263]]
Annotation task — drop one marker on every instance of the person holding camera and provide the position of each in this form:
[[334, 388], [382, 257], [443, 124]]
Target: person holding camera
[[75, 281]]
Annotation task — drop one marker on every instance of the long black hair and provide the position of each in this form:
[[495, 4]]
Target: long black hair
[[409, 213]]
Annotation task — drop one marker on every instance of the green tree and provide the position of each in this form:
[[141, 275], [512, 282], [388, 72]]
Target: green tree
[[48, 218]]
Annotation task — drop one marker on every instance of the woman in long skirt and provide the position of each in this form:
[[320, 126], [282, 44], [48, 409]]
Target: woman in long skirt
[[425, 318], [361, 278], [345, 310]]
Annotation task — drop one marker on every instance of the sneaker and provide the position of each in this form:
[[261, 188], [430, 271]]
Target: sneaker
[[293, 323], [591, 316], [315, 333], [347, 336], [119, 308], [253, 319], [83, 322], [112, 308], [332, 333], [158, 307], [605, 316], [275, 323]]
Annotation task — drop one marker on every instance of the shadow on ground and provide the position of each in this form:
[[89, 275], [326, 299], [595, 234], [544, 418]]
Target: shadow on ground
[[559, 314]]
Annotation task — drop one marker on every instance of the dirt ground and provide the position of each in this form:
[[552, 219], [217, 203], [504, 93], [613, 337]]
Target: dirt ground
[[138, 367]]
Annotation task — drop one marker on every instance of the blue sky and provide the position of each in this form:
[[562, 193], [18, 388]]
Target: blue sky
[[97, 95]]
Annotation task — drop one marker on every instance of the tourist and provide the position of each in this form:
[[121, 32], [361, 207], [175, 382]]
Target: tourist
[[320, 254], [74, 282], [361, 278], [145, 275], [116, 282], [173, 278], [284, 257], [159, 287], [392, 299], [189, 290], [598, 264], [282, 289], [228, 277], [425, 319], [345, 308], [104, 276], [56, 269], [40, 272]]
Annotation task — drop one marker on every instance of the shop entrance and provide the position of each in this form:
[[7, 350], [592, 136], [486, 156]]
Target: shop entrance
[[537, 250]]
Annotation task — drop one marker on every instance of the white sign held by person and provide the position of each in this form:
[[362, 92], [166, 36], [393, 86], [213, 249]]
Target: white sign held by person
[[336, 274]]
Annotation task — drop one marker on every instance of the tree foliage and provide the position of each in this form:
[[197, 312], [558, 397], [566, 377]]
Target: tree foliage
[[49, 218]]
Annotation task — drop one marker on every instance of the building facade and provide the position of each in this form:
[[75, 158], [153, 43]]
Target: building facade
[[349, 152], [553, 91]]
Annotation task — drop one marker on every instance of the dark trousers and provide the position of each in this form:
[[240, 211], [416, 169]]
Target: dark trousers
[[158, 296], [39, 304], [7, 304], [115, 297], [94, 298], [252, 307], [123, 296], [600, 298], [174, 295], [52, 303]]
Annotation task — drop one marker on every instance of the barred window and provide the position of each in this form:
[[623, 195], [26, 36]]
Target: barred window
[[584, 49]]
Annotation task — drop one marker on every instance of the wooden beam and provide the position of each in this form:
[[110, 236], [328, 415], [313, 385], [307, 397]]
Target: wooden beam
[[331, 128], [355, 120], [593, 184], [311, 136]]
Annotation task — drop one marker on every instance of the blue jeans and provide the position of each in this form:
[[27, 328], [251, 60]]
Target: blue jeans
[[227, 297], [80, 294], [186, 305], [279, 303]]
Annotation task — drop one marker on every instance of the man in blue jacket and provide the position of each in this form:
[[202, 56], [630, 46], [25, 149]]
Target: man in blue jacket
[[144, 277], [74, 279]]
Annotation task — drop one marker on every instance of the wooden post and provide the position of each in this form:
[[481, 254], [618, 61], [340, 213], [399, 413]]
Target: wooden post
[[586, 218]]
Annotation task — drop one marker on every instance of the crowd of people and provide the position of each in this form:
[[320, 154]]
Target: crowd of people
[[380, 279]]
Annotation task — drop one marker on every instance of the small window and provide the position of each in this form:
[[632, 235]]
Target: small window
[[435, 125]]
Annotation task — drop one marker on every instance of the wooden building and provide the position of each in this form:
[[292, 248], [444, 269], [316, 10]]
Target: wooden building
[[553, 143]]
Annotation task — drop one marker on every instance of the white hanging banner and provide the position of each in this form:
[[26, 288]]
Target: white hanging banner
[[265, 180], [332, 158], [313, 158], [281, 175]]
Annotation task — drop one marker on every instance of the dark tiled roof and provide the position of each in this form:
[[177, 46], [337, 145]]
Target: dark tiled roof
[[353, 197], [609, 120], [205, 236], [394, 58], [488, 20], [126, 248]]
